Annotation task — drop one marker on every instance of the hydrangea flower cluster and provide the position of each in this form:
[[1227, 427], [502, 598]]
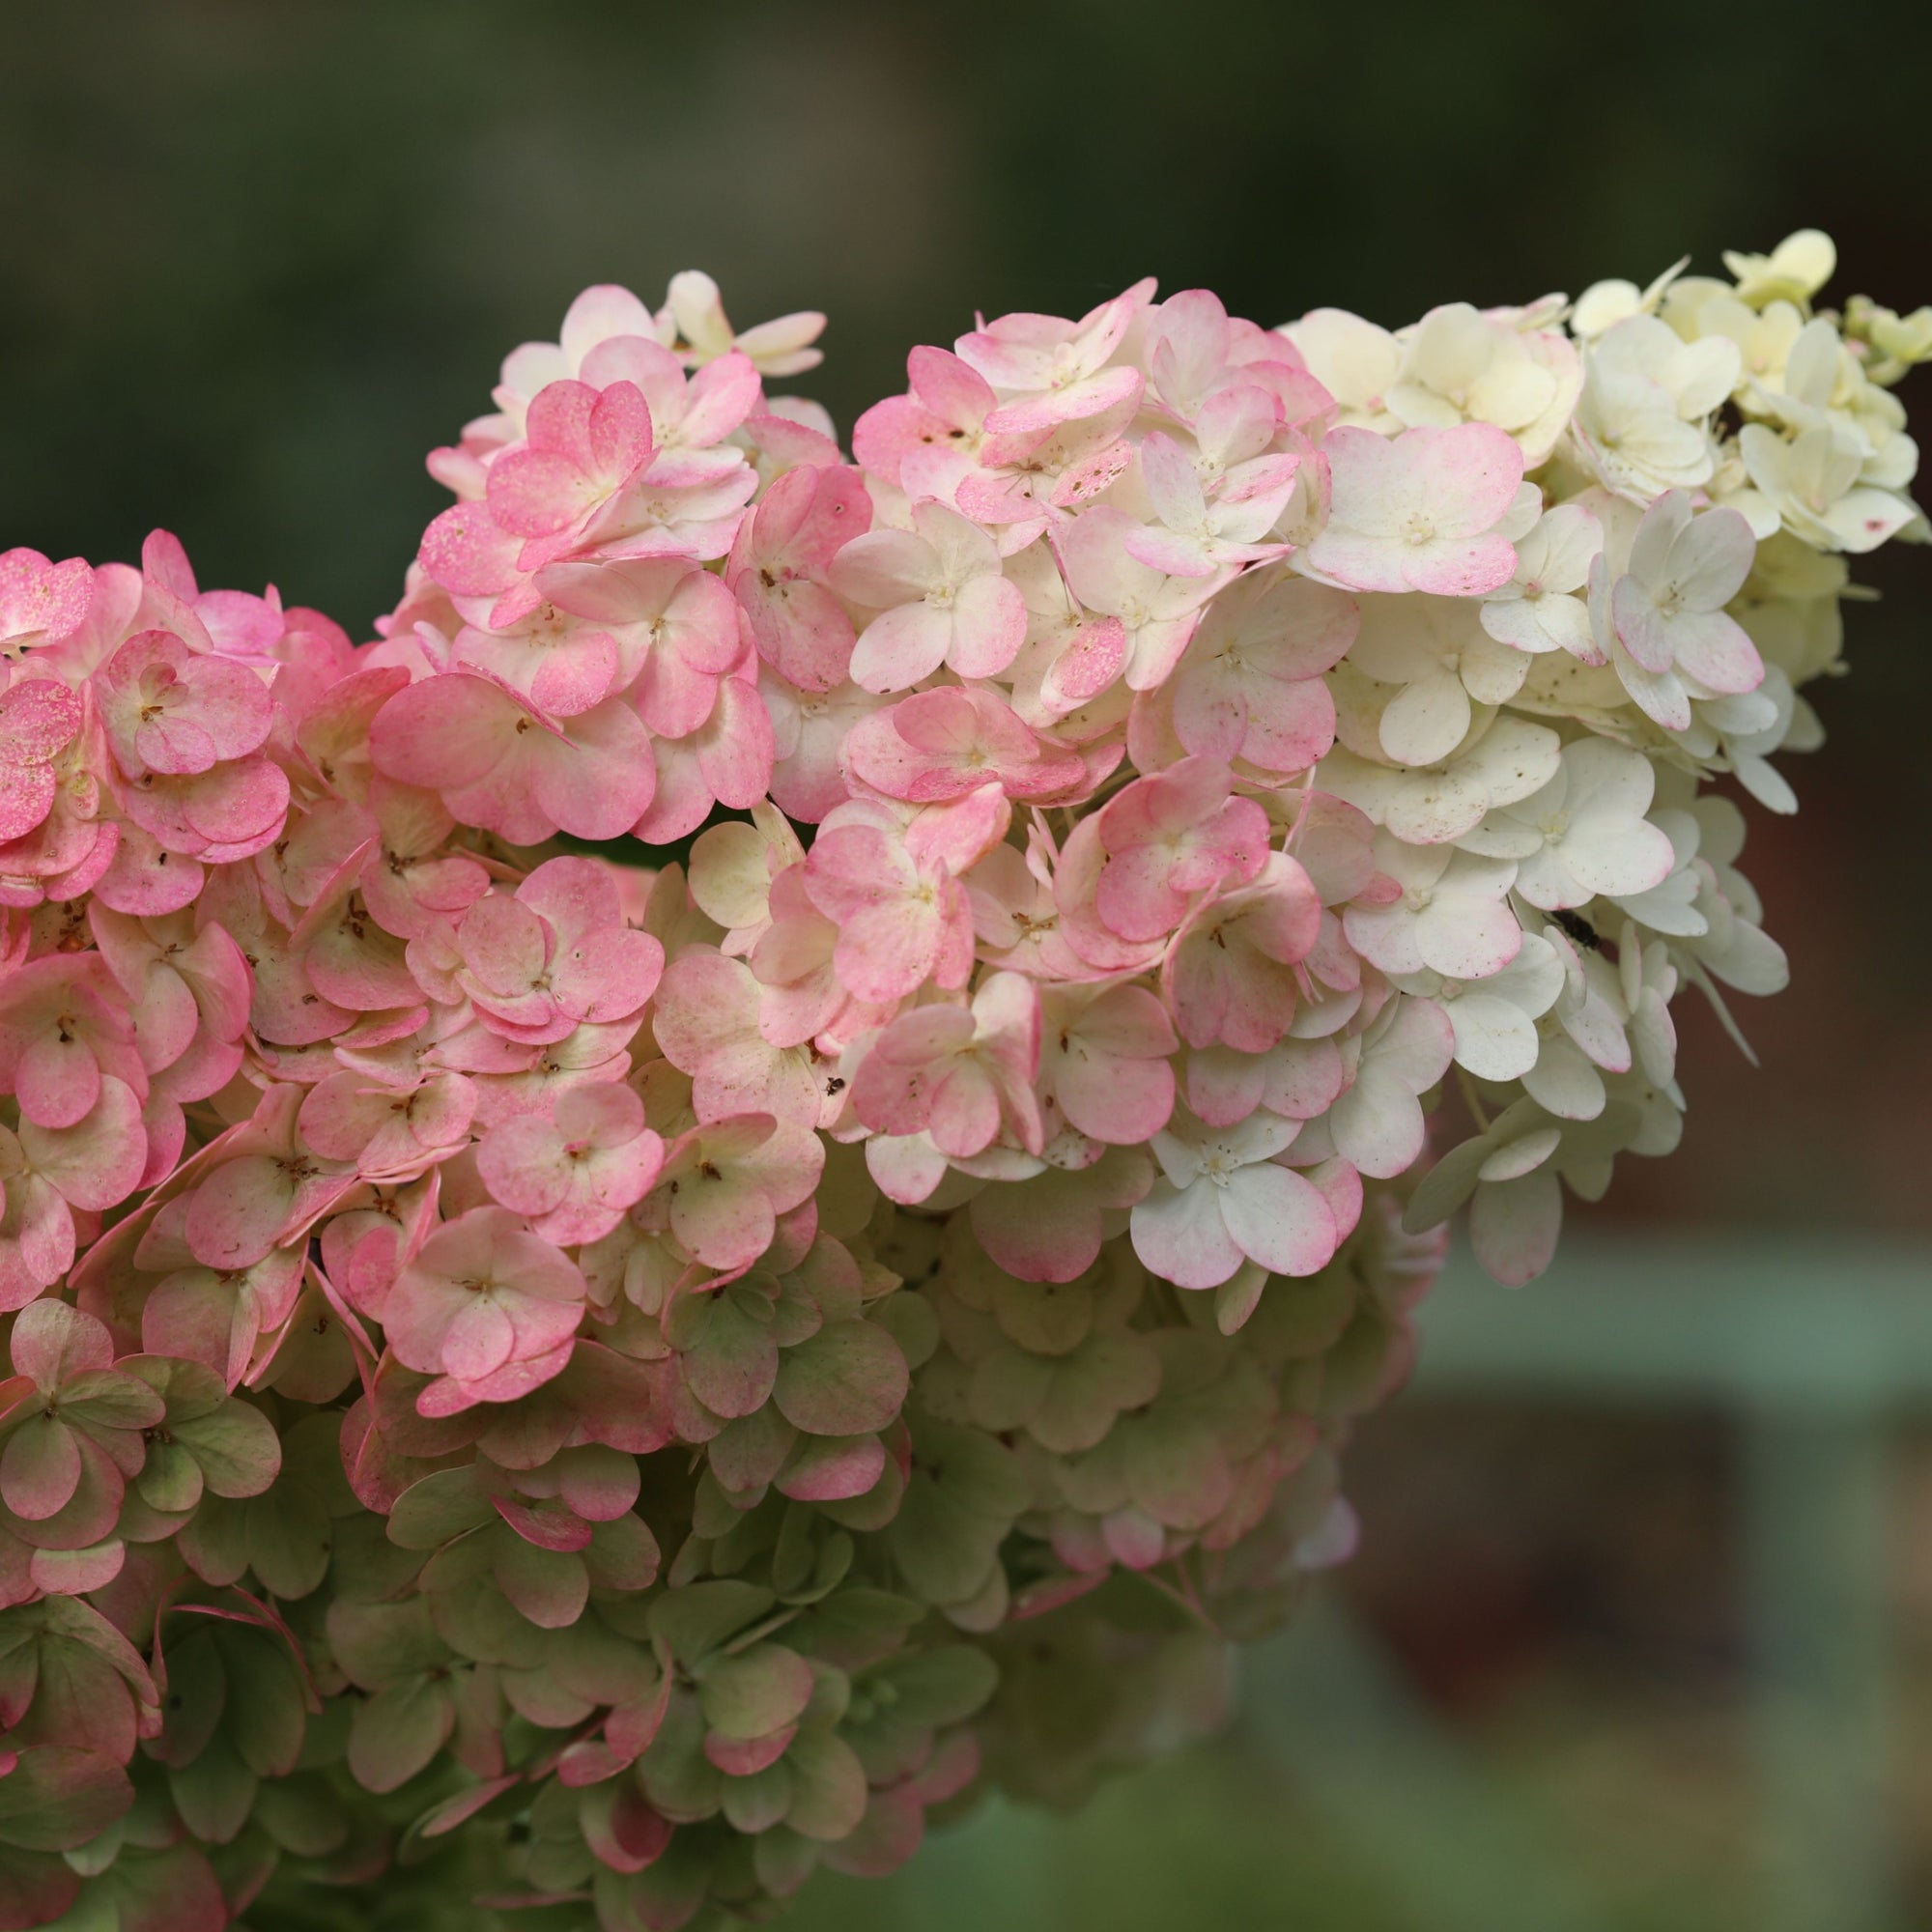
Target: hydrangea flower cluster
[[617, 1384]]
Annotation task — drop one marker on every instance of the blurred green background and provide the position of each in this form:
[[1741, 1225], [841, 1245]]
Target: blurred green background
[[259, 258]]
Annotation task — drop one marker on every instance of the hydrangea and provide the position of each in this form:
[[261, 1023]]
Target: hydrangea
[[615, 1380]]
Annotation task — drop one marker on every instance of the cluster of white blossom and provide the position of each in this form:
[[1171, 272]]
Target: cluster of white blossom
[[1701, 457]]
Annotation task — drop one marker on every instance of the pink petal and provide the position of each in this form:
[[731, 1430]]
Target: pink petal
[[1180, 1233], [1279, 1219]]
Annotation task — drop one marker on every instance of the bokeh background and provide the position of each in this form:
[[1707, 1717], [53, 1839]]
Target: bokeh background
[[256, 260]]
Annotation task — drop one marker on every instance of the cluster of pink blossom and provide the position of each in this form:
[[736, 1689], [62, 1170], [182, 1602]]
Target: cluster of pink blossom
[[660, 1377]]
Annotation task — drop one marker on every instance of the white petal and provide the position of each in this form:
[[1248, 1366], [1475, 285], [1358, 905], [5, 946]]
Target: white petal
[[1378, 1124], [1514, 1225], [1564, 1082], [1426, 721], [1494, 1040]]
